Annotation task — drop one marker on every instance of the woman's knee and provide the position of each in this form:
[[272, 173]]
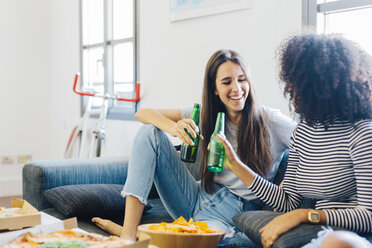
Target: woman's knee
[[149, 133], [147, 129]]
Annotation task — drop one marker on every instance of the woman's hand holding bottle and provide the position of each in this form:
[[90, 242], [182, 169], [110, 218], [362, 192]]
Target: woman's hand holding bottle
[[179, 130], [231, 159], [234, 164]]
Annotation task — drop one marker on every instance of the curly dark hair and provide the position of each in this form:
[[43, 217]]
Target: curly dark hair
[[326, 77]]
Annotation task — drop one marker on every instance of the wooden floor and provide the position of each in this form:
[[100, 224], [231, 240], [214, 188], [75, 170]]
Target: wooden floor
[[5, 201]]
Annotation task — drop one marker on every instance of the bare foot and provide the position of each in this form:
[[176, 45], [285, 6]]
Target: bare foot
[[108, 226]]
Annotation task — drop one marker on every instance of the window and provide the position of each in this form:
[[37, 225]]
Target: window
[[352, 18], [108, 51]]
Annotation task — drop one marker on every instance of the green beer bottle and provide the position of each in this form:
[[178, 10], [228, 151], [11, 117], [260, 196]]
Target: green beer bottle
[[188, 152], [216, 153]]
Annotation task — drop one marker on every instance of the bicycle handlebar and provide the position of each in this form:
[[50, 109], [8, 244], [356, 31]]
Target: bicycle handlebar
[[86, 93]]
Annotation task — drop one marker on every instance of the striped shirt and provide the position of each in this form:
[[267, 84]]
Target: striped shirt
[[333, 166]]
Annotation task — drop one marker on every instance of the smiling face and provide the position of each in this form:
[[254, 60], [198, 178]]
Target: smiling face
[[232, 88]]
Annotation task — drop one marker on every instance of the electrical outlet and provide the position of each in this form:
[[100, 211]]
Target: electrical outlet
[[24, 159], [8, 159]]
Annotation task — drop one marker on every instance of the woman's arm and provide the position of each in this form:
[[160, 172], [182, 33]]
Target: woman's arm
[[170, 121], [164, 119]]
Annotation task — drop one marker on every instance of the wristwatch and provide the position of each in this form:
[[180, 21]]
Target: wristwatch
[[313, 216]]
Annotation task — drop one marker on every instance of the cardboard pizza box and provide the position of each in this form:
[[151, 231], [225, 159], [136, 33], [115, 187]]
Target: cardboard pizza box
[[8, 237], [29, 216]]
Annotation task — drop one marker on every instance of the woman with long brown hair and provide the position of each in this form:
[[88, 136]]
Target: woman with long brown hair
[[244, 117], [258, 134]]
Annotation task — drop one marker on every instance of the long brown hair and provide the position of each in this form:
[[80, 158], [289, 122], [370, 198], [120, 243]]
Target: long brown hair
[[253, 139]]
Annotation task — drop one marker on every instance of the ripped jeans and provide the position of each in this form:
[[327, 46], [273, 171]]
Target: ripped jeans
[[154, 159]]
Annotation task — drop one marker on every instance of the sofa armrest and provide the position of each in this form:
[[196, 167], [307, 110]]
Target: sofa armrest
[[39, 176]]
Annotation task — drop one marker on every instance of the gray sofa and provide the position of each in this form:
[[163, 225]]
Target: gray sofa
[[83, 188], [40, 176]]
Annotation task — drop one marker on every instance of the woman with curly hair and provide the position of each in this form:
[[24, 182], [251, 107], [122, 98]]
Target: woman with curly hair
[[328, 81]]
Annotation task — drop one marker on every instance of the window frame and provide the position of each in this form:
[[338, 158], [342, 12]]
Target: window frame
[[121, 111], [310, 9]]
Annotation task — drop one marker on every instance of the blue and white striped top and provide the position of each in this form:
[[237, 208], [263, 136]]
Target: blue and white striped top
[[333, 166]]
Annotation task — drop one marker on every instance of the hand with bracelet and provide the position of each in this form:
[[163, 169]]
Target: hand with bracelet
[[285, 222]]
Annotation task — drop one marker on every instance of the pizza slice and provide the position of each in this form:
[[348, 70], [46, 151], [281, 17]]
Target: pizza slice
[[66, 238]]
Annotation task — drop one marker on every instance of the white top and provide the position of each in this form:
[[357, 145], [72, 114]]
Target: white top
[[280, 129]]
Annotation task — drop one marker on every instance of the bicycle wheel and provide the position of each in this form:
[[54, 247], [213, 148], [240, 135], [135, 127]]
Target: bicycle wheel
[[73, 144]]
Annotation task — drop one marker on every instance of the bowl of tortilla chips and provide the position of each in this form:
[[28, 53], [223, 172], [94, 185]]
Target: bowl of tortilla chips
[[182, 234]]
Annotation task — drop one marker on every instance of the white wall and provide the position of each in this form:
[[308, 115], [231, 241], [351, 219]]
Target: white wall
[[172, 60], [173, 55], [64, 58], [24, 86]]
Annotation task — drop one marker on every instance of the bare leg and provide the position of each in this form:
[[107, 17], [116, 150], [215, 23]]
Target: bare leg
[[133, 213]]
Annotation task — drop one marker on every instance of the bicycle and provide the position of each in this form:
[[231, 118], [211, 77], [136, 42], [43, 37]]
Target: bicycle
[[78, 141]]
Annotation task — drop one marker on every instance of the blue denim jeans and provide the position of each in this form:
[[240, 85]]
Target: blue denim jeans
[[154, 159]]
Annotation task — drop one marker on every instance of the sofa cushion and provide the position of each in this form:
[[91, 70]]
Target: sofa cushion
[[101, 200]]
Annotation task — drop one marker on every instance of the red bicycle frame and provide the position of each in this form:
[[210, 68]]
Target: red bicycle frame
[[86, 93]]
